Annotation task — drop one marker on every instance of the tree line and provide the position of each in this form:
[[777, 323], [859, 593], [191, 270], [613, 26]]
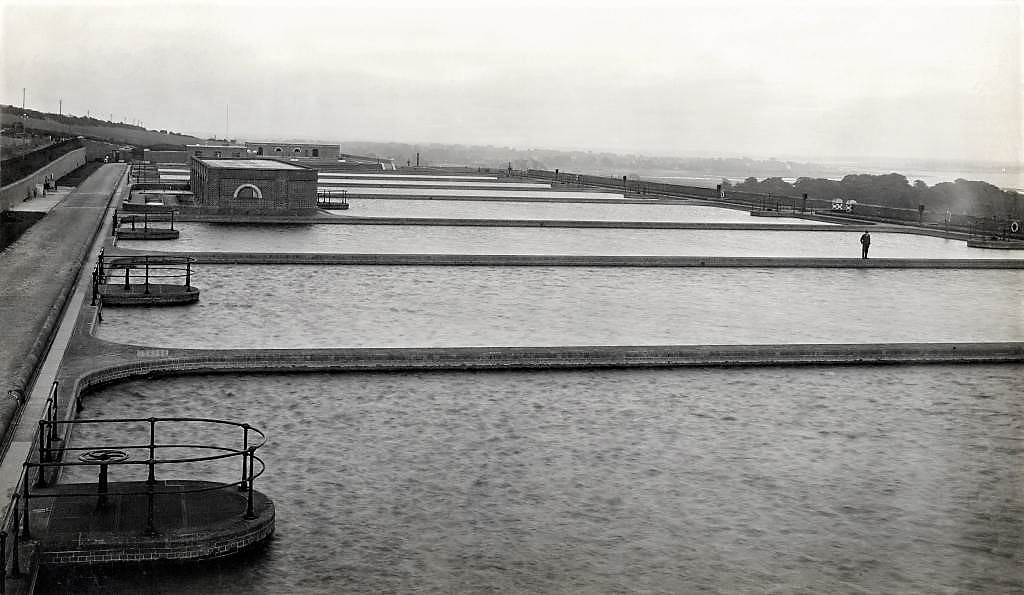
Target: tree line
[[961, 197]]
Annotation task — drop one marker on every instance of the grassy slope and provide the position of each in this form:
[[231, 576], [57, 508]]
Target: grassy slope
[[116, 134]]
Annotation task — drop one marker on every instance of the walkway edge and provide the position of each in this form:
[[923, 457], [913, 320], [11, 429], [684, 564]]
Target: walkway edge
[[546, 260], [112, 362]]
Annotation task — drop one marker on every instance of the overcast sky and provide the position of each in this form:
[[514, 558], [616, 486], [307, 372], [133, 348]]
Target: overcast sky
[[785, 79]]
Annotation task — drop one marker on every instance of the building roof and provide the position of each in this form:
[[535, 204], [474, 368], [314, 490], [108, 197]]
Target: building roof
[[249, 164], [288, 144], [206, 146]]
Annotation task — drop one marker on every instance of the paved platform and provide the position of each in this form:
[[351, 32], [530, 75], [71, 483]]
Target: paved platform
[[43, 204], [71, 529]]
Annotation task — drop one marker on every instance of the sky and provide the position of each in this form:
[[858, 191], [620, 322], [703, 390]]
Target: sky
[[786, 79]]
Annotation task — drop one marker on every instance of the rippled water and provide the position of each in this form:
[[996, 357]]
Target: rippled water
[[422, 239], [461, 209], [787, 480], [365, 306]]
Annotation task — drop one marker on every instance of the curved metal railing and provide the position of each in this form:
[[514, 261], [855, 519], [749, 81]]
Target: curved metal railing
[[50, 460]]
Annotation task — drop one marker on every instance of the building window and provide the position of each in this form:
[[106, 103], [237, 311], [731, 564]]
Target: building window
[[259, 150], [199, 153], [277, 149], [216, 153], [296, 150], [316, 152], [247, 191]]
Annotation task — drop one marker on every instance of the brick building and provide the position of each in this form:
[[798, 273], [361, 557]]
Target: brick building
[[227, 151], [296, 151], [253, 187]]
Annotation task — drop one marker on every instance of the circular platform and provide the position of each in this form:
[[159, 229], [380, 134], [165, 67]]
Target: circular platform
[[189, 524]]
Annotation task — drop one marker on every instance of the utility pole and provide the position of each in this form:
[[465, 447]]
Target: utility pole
[[60, 106], [23, 98], [226, 120]]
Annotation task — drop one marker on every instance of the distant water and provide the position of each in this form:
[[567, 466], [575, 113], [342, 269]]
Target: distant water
[[848, 480], [406, 239], [387, 176], [389, 182], [366, 306], [487, 193], [555, 211]]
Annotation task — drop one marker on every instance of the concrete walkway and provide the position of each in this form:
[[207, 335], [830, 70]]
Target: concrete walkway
[[38, 272]]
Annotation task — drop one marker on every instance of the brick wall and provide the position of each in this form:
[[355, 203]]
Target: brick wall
[[283, 191]]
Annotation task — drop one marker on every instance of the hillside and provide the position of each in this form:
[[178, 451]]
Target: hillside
[[93, 128]]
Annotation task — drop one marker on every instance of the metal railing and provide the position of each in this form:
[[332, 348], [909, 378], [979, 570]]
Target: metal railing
[[12, 532], [110, 454], [997, 229], [150, 215], [332, 199], [142, 270]]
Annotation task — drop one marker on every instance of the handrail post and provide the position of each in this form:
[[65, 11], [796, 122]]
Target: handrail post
[[53, 411], [25, 531], [147, 275], [113, 227], [145, 220], [43, 456], [188, 273], [172, 219], [95, 287], [49, 437], [127, 285], [245, 448], [16, 527], [249, 514], [152, 450]]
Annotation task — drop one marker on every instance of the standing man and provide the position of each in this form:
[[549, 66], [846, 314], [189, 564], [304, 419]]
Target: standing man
[[865, 243]]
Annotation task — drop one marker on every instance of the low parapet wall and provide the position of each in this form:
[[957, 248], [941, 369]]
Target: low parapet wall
[[135, 361], [24, 188], [580, 260]]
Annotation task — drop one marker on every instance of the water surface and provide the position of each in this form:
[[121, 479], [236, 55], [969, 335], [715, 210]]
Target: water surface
[[459, 209], [886, 479], [405, 306], [440, 239]]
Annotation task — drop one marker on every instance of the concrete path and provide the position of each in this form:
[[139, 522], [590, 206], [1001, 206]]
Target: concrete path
[[38, 274]]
